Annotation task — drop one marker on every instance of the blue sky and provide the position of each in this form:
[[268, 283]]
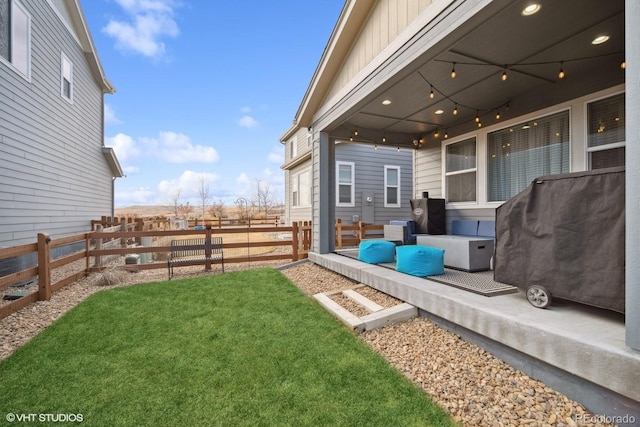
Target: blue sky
[[205, 89]]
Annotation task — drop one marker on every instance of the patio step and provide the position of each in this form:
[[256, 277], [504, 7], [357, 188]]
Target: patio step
[[378, 316]]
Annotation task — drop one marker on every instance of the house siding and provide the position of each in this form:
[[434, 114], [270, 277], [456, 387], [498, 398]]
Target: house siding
[[53, 175], [369, 178], [387, 20]]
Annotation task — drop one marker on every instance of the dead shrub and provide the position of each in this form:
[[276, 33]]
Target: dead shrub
[[110, 276]]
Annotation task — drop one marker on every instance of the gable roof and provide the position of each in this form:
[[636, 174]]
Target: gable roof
[[78, 25]]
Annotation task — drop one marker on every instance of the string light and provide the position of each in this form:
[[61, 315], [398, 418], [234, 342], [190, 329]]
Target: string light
[[455, 110], [477, 117], [498, 115], [561, 73], [384, 139], [453, 71], [446, 133], [355, 132], [504, 75], [436, 133], [623, 65], [431, 94]]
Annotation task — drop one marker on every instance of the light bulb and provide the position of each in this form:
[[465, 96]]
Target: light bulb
[[453, 71]]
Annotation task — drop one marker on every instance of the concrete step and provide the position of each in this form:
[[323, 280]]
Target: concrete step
[[378, 317]]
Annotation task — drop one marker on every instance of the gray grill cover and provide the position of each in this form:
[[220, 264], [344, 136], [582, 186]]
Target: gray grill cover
[[566, 233]]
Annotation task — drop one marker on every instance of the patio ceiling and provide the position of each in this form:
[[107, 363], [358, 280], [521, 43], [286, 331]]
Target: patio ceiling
[[531, 49]]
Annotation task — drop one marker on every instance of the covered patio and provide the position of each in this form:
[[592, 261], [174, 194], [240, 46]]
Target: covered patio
[[481, 66]]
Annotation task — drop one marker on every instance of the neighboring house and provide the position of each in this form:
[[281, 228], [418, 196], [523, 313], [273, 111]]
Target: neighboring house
[[373, 184], [56, 175], [500, 92]]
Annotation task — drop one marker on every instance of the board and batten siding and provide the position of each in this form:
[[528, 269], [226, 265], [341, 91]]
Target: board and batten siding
[[53, 175], [369, 166], [387, 20]]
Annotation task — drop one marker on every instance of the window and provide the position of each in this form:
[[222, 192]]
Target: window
[[15, 35], [293, 148], [345, 172], [519, 154], [460, 172], [606, 139], [66, 81], [301, 189], [392, 186]]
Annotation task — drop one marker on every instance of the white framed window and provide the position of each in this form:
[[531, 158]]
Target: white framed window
[[606, 137], [391, 186], [66, 78], [293, 148], [461, 171], [345, 183], [301, 189], [518, 154], [15, 36]]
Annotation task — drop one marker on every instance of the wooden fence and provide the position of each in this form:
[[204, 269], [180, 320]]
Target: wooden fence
[[99, 245], [355, 233]]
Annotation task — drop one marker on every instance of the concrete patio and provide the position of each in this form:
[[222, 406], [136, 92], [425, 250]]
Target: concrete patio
[[577, 350]]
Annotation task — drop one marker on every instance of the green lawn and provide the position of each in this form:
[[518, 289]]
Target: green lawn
[[245, 348]]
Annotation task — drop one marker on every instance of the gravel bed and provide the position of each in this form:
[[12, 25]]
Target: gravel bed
[[476, 388]]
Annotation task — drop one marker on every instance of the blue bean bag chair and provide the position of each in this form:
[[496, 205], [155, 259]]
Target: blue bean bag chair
[[419, 260], [376, 251]]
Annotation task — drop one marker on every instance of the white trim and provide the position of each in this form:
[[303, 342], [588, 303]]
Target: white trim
[[64, 58], [352, 165], [295, 184], [26, 75], [396, 187]]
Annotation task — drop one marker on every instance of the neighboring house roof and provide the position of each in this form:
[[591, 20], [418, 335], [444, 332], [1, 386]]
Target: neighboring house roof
[[81, 28]]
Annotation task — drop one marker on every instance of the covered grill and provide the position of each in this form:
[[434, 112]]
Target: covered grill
[[563, 236]]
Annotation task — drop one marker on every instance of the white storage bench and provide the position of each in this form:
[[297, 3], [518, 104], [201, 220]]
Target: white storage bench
[[462, 252]]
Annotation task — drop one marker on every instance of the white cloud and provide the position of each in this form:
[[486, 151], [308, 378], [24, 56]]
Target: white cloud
[[125, 147], [148, 21], [188, 183], [134, 196], [248, 122], [177, 148], [276, 155], [110, 116]]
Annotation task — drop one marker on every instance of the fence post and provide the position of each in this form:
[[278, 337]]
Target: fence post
[[207, 246], [44, 269], [339, 233], [294, 241], [97, 260], [362, 230]]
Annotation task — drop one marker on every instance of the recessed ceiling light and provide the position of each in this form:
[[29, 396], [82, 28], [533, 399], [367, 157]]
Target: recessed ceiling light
[[600, 39], [531, 9], [439, 111], [386, 102]]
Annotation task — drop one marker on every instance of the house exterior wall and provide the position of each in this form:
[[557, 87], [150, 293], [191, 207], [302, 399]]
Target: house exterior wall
[[430, 169], [53, 174], [369, 165], [387, 20], [369, 179]]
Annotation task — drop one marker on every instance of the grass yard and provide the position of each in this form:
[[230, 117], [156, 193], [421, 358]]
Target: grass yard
[[245, 348]]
